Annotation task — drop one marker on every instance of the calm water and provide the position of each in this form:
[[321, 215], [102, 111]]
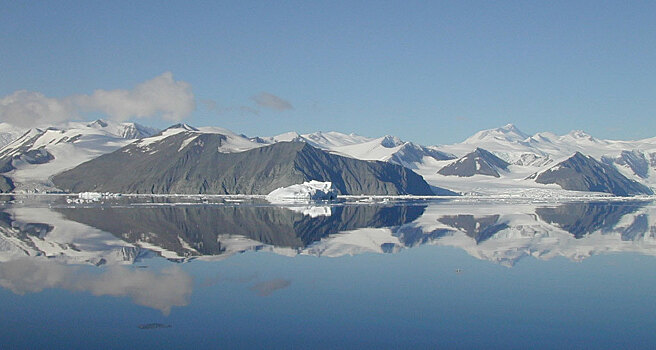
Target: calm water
[[190, 272]]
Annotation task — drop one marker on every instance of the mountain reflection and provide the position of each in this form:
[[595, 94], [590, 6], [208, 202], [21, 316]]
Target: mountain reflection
[[580, 219], [207, 230], [110, 234], [478, 228], [42, 246]]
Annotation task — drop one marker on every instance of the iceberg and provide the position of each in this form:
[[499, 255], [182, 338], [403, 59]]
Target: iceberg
[[307, 191], [90, 195]]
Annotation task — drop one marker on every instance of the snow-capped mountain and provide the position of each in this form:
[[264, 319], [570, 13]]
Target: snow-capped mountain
[[38, 154], [534, 154], [509, 143], [123, 130]]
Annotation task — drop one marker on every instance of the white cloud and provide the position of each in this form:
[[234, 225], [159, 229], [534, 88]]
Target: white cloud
[[159, 97], [27, 109], [267, 100]]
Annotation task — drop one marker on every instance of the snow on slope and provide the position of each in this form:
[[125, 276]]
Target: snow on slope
[[531, 154], [318, 139], [41, 153], [509, 143], [386, 149], [233, 142], [123, 130]]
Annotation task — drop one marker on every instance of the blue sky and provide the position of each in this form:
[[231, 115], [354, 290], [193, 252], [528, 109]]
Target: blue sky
[[431, 72]]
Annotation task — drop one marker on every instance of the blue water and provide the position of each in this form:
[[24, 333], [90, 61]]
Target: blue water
[[424, 296]]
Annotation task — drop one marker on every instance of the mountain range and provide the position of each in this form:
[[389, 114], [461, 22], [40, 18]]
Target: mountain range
[[129, 158]]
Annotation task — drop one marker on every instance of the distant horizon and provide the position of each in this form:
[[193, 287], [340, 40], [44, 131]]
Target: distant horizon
[[238, 132]]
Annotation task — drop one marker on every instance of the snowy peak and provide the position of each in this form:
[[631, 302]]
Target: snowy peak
[[183, 126], [123, 130], [333, 139], [186, 136], [508, 133], [580, 137], [389, 141], [99, 123]]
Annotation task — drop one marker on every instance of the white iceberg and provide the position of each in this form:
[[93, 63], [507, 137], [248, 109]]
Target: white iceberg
[[307, 191], [93, 196]]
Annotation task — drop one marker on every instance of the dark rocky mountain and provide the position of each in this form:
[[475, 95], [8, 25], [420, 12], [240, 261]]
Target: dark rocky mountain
[[478, 162], [583, 173], [191, 162]]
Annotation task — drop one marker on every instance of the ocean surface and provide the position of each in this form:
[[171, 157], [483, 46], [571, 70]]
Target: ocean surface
[[237, 272]]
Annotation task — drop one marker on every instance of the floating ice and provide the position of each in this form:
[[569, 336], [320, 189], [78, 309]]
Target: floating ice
[[89, 195], [312, 190]]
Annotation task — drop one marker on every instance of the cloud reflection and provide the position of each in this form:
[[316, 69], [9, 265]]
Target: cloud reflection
[[266, 288], [159, 290]]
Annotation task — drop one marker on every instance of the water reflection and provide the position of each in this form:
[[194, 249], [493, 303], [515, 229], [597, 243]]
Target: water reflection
[[121, 233], [183, 231], [99, 248]]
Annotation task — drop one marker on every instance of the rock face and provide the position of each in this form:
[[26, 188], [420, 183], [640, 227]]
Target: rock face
[[583, 173], [189, 162], [478, 162]]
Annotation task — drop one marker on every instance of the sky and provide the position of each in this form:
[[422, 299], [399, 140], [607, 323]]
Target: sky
[[430, 72]]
